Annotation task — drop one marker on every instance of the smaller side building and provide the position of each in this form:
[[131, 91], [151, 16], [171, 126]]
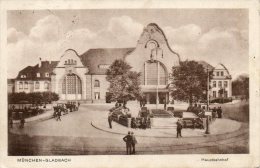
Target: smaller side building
[[221, 83], [35, 78], [10, 85]]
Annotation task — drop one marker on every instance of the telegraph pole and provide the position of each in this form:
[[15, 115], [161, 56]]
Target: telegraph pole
[[207, 88]]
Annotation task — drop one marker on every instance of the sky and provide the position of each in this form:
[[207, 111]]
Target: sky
[[212, 35]]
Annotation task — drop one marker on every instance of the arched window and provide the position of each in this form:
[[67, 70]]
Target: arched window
[[97, 83], [37, 85], [20, 85], [152, 72], [71, 84], [46, 85], [25, 85]]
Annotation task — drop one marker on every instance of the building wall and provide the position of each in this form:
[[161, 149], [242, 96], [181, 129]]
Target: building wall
[[64, 68], [217, 76], [31, 86]]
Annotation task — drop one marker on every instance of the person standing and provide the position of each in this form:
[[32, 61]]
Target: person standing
[[22, 122], [11, 122], [134, 142], [220, 112], [110, 120], [59, 115], [165, 104], [128, 140], [179, 128]]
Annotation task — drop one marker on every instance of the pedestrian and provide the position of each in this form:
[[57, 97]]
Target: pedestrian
[[110, 120], [22, 121], [164, 102], [128, 140], [214, 113], [59, 115], [179, 128], [134, 142], [11, 122], [220, 112]]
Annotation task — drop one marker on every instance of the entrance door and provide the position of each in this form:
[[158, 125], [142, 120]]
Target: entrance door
[[71, 87]]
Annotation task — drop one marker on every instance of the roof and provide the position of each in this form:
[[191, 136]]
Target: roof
[[206, 65], [10, 81], [221, 66], [102, 56], [31, 71]]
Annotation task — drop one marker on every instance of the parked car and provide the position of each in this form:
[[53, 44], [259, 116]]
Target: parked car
[[191, 120]]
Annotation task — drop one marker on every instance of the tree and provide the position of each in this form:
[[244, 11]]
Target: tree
[[33, 98], [124, 83], [190, 82], [240, 86]]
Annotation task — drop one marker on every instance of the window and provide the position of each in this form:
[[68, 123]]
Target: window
[[103, 66], [46, 85], [225, 94], [70, 84], [47, 74], [97, 95], [214, 84], [38, 75], [214, 94], [217, 73], [150, 74], [220, 84], [225, 84], [37, 85], [20, 85], [222, 73], [96, 84], [23, 76], [25, 85]]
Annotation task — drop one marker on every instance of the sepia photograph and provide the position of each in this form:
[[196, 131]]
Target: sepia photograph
[[129, 82], [137, 81]]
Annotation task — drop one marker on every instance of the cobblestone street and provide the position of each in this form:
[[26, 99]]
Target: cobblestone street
[[76, 135]]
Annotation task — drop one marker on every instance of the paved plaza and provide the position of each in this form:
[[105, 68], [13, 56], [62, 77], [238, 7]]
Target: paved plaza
[[87, 132]]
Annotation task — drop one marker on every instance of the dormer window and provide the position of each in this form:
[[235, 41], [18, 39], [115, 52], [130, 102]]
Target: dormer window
[[103, 66], [38, 75], [47, 74], [70, 62], [23, 76]]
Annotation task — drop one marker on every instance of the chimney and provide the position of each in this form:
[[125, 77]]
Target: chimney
[[40, 62]]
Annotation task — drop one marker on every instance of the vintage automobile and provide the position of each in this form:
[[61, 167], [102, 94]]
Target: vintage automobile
[[144, 112], [191, 120]]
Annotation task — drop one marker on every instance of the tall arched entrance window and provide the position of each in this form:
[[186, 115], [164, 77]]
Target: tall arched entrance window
[[71, 87], [154, 78], [154, 73]]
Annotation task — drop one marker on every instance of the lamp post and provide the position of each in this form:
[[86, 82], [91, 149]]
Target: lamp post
[[207, 88]]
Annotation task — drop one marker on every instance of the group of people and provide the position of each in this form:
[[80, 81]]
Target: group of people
[[22, 122], [217, 112], [143, 122], [197, 109], [120, 108], [65, 108], [130, 141]]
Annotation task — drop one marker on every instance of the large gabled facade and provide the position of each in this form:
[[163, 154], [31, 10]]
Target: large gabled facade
[[83, 77]]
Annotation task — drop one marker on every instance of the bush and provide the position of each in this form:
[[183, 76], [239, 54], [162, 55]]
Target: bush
[[221, 100], [33, 98]]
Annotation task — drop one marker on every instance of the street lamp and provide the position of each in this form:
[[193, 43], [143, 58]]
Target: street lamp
[[207, 88]]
